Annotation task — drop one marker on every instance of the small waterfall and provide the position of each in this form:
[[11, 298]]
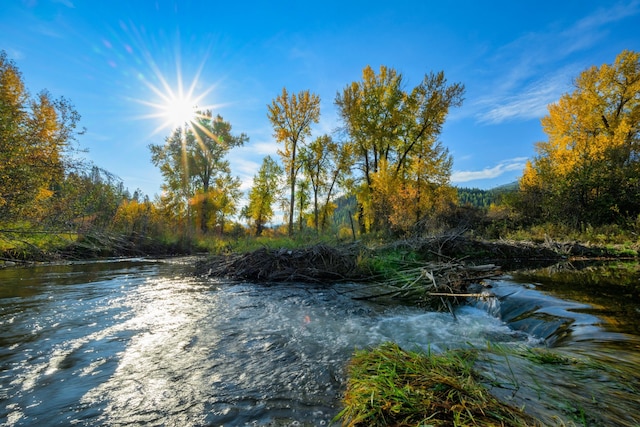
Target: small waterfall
[[542, 316], [489, 303]]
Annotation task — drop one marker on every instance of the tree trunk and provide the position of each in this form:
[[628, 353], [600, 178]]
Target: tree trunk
[[293, 190], [204, 227]]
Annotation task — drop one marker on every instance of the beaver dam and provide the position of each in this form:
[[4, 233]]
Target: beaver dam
[[391, 272], [433, 272]]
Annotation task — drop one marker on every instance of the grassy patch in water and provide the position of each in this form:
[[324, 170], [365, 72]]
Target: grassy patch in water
[[561, 387], [540, 356], [389, 386]]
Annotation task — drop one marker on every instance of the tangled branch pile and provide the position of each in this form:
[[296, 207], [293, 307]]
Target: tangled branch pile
[[438, 285], [506, 252], [317, 263]]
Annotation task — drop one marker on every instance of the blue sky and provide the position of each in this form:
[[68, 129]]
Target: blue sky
[[116, 59]]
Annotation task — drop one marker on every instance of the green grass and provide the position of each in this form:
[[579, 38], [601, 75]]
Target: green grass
[[390, 264], [388, 386], [23, 241], [618, 239], [249, 243]]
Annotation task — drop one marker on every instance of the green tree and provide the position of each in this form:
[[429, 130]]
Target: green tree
[[340, 157], [316, 167], [324, 163], [303, 200], [36, 136], [225, 197], [588, 170], [291, 117], [197, 177], [395, 138], [263, 194]]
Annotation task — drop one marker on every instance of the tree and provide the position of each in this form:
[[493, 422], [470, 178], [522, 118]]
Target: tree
[[394, 134], [315, 164], [589, 168], [324, 163], [137, 218], [302, 199], [36, 136], [263, 193], [291, 117], [197, 175], [224, 199], [340, 156]]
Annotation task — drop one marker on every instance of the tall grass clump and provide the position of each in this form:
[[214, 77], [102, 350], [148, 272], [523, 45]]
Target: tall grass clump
[[388, 386]]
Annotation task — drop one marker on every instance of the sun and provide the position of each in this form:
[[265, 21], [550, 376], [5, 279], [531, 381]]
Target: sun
[[175, 108], [175, 105], [178, 111], [168, 97]]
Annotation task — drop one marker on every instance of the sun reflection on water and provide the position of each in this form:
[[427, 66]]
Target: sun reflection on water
[[155, 378]]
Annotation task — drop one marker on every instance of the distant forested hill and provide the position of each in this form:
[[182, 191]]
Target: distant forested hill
[[346, 206], [484, 198]]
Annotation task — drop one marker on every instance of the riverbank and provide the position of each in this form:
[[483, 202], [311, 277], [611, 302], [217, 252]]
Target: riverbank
[[28, 246], [360, 261], [23, 247], [225, 352]]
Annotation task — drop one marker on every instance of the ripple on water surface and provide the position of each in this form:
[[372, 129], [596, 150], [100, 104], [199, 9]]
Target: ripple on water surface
[[149, 345]]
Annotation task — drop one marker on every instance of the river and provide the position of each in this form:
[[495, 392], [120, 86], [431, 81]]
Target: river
[[143, 342]]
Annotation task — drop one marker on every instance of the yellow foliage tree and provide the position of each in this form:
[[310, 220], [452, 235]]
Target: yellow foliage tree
[[35, 136], [196, 174], [589, 168], [395, 143], [291, 116], [135, 217]]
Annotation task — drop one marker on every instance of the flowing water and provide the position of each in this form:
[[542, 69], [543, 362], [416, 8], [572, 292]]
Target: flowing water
[[143, 342]]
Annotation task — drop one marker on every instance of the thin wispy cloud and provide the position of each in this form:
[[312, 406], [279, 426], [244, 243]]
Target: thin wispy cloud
[[15, 54], [519, 93], [608, 14], [47, 30], [510, 165], [530, 103], [67, 3], [590, 29], [266, 148], [244, 168]]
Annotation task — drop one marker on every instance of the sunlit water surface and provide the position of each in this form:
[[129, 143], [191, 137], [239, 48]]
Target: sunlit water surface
[[141, 342]]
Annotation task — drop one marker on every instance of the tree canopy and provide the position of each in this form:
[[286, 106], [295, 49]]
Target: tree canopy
[[588, 171], [291, 116], [196, 174], [263, 194], [36, 136], [405, 169], [325, 162]]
